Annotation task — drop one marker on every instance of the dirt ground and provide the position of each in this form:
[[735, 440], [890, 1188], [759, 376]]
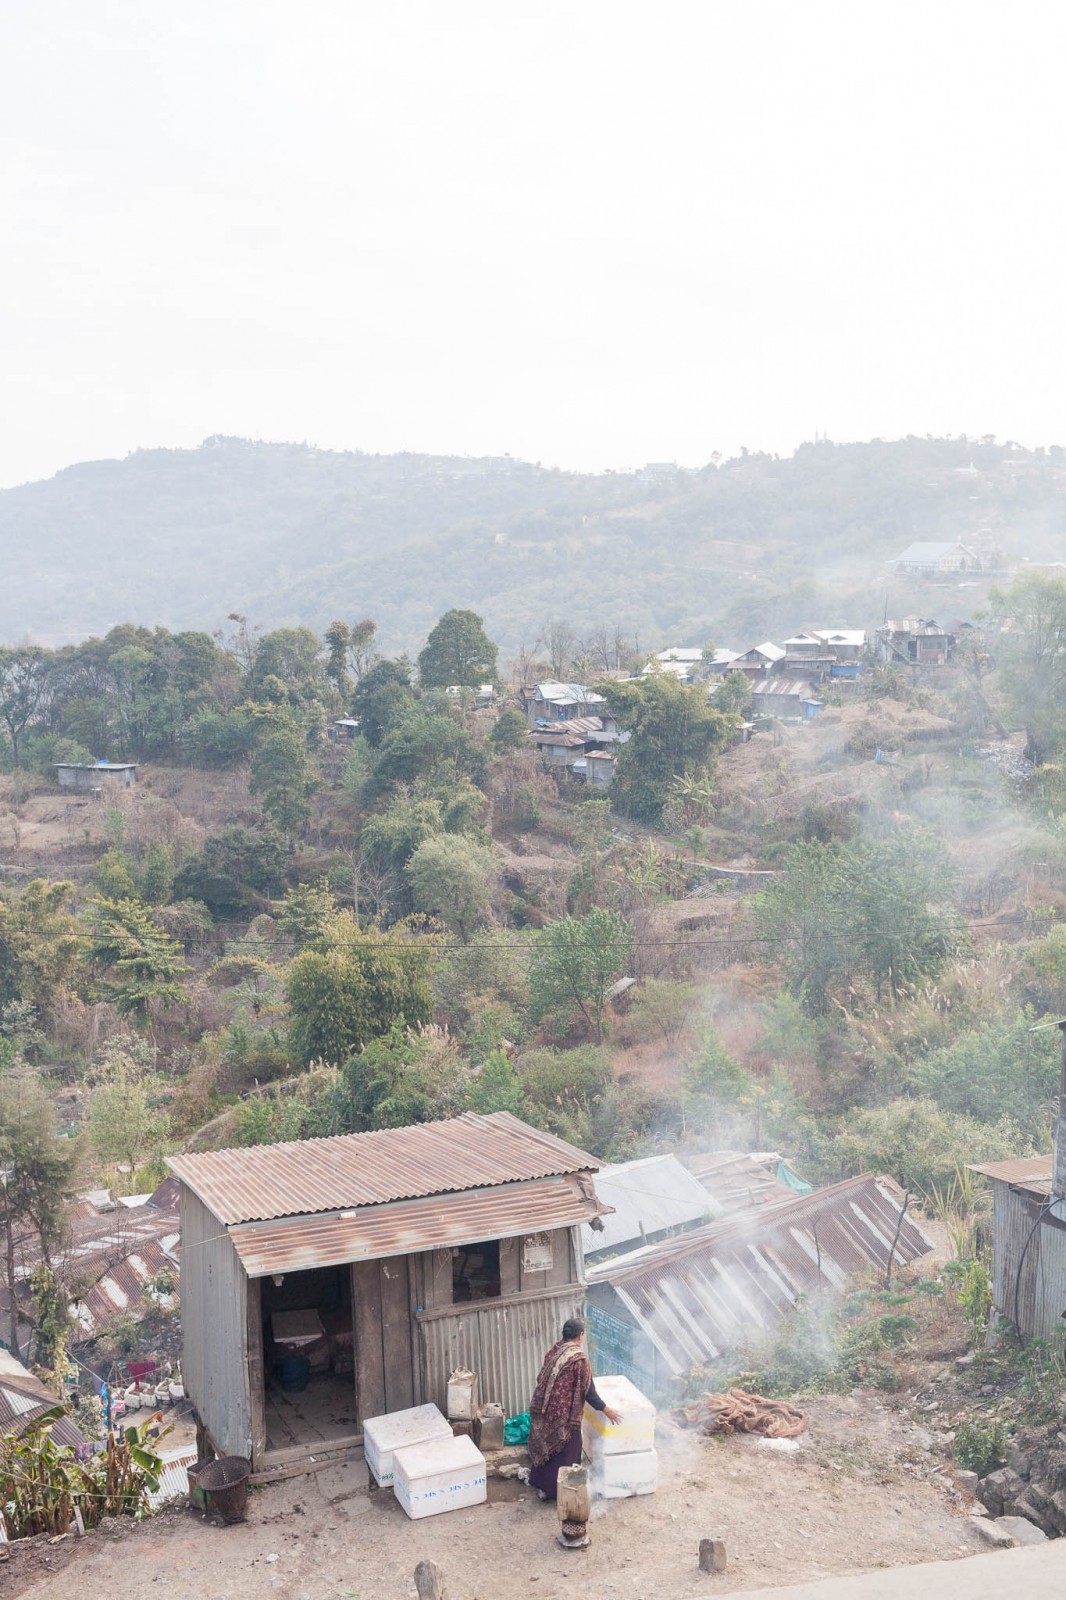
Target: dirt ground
[[866, 1487]]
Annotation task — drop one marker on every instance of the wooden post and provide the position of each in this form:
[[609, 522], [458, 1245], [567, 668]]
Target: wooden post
[[429, 1581]]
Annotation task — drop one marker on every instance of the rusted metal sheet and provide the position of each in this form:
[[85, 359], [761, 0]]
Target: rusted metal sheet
[[1032, 1173], [364, 1169], [698, 1296], [408, 1226], [737, 1181], [214, 1360], [503, 1341]]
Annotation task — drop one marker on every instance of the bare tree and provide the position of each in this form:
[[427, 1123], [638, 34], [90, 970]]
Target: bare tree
[[559, 641]]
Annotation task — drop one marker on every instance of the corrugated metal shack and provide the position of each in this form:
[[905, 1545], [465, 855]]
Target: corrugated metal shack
[[649, 1199], [1028, 1246], [658, 1312], [405, 1253]]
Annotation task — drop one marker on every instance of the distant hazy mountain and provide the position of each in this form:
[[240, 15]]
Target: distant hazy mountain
[[285, 534]]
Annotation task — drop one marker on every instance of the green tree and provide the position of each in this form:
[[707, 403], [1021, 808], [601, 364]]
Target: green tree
[[714, 1086], [141, 962], [40, 944], [383, 699], [427, 745], [282, 778], [921, 1145], [26, 682], [1031, 650], [574, 963], [674, 733], [338, 638], [353, 985], [734, 694], [124, 1125], [458, 652], [38, 1178], [509, 732], [305, 912], [236, 872], [453, 877]]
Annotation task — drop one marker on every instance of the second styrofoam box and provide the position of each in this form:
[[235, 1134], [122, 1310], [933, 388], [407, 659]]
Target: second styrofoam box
[[383, 1436], [636, 1431], [439, 1475], [616, 1477]]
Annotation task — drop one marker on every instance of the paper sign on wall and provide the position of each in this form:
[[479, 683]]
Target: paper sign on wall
[[537, 1252]]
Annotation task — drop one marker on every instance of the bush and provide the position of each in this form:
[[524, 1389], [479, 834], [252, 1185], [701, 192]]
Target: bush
[[980, 1446]]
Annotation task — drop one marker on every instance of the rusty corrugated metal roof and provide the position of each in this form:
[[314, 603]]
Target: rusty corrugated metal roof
[[709, 1290], [406, 1226], [1032, 1173], [365, 1169], [737, 1180]]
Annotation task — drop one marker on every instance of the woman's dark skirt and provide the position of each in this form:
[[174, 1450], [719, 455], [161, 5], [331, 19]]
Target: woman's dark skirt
[[546, 1478]]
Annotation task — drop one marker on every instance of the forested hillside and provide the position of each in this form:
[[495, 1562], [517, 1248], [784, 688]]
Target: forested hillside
[[288, 534]]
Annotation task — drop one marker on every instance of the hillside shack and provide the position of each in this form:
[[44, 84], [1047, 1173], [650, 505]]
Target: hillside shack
[[384, 1260], [94, 776]]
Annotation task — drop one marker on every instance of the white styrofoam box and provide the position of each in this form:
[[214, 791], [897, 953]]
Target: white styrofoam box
[[636, 1431], [439, 1475], [616, 1477], [383, 1436]]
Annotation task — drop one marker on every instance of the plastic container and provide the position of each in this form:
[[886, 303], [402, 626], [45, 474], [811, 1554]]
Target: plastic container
[[636, 1431], [616, 1477], [383, 1436], [439, 1475], [224, 1483], [462, 1395], [294, 1373]]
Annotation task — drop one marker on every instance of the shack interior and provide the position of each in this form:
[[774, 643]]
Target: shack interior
[[307, 1316]]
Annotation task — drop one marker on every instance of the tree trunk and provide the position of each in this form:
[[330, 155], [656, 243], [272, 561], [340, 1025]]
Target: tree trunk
[[9, 1233]]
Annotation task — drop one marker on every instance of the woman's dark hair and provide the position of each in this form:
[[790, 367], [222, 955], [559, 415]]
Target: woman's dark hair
[[573, 1327]]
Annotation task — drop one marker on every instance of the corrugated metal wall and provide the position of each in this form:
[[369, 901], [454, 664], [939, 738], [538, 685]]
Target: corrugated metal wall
[[503, 1341], [1037, 1297], [214, 1298]]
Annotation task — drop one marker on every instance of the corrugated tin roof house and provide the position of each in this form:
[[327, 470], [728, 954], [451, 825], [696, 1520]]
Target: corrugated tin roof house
[[931, 557], [658, 1312], [24, 1397], [385, 1259]]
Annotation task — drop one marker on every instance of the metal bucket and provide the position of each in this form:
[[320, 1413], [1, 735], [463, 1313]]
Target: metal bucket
[[224, 1483]]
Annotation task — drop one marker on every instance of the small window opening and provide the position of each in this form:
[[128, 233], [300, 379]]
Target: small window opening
[[476, 1271]]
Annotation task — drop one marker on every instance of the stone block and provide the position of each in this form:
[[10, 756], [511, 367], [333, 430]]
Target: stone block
[[712, 1555], [1000, 1490], [1021, 1530], [967, 1481], [989, 1529], [1035, 1514], [1056, 1510], [1054, 1470], [1018, 1462]]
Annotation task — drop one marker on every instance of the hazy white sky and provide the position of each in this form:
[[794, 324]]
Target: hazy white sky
[[589, 232]]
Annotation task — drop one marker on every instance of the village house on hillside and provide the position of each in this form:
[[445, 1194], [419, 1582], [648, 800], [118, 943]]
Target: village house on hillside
[[384, 1260], [559, 702], [915, 642], [936, 558]]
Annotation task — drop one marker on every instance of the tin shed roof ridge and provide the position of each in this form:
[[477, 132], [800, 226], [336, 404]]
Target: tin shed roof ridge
[[263, 1183], [790, 1208]]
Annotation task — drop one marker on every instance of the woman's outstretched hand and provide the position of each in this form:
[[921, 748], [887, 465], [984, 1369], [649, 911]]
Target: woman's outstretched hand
[[612, 1415]]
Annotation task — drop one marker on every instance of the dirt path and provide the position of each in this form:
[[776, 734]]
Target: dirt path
[[858, 1493]]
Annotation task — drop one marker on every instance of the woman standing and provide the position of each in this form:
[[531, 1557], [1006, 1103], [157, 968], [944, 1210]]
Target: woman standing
[[563, 1387]]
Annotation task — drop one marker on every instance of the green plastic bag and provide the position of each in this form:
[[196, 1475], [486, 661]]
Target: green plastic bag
[[516, 1429]]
